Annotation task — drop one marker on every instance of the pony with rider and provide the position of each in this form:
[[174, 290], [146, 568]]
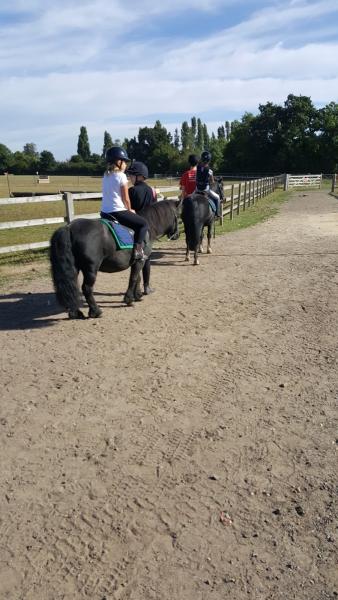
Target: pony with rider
[[89, 246], [202, 197]]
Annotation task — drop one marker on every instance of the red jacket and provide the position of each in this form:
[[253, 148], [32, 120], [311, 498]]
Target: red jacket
[[188, 181]]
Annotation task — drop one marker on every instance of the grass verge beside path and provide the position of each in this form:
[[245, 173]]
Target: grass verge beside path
[[23, 266], [262, 210]]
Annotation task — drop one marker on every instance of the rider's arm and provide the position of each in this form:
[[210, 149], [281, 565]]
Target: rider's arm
[[125, 196]]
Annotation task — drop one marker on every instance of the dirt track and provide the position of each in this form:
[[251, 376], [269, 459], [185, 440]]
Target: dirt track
[[183, 449]]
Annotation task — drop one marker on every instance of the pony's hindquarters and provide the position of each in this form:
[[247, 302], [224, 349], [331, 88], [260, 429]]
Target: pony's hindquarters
[[64, 272], [192, 222]]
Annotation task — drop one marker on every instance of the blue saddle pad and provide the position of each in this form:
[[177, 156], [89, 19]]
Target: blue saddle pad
[[212, 205], [123, 236]]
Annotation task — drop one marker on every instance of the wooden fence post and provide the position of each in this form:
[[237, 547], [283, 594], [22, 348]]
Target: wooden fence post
[[239, 198], [232, 202], [244, 197], [68, 197], [286, 182], [333, 182], [249, 199]]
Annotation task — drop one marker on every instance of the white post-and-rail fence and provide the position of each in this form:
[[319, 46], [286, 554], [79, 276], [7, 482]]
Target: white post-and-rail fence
[[237, 196], [294, 181]]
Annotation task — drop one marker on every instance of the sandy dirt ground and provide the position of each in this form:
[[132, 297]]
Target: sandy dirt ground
[[184, 448]]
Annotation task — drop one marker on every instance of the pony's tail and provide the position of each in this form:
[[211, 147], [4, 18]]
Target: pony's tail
[[64, 271], [192, 223]]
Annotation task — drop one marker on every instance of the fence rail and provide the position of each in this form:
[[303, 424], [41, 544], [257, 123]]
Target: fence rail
[[237, 196], [292, 181]]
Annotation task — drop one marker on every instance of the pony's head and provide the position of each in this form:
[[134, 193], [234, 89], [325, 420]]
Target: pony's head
[[219, 187]]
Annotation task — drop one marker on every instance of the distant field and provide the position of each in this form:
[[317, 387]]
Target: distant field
[[73, 183]]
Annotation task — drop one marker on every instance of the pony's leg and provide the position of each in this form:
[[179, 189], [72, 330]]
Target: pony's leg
[[89, 278], [138, 292], [196, 261], [135, 271], [74, 312], [200, 249], [209, 251], [187, 256], [146, 278]]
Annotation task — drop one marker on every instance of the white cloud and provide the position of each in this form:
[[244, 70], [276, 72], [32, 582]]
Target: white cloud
[[62, 72]]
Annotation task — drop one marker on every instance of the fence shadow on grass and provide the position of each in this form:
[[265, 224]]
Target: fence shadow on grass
[[22, 311]]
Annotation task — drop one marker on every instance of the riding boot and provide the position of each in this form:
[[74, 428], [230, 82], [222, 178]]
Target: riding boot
[[138, 253]]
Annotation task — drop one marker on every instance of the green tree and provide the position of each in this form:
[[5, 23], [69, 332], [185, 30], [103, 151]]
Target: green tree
[[185, 136], [221, 132], [6, 157], [193, 131], [200, 135], [206, 136], [176, 139], [327, 137], [24, 163], [31, 150], [107, 143], [216, 147], [83, 148], [47, 162]]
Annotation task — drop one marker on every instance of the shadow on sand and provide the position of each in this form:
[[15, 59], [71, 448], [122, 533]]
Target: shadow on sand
[[20, 310]]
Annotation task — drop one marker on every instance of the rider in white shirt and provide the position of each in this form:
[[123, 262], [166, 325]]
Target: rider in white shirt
[[115, 198]]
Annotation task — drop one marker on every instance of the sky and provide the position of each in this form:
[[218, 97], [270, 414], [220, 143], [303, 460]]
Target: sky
[[115, 66]]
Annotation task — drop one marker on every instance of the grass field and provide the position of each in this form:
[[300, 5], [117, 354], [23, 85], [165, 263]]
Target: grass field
[[58, 183]]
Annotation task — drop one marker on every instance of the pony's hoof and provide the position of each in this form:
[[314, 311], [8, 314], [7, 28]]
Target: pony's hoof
[[148, 290], [76, 314], [209, 251], [94, 313], [187, 259], [201, 249], [196, 262], [138, 298], [128, 300]]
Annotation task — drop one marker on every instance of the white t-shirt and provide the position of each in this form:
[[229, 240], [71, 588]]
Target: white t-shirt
[[111, 191]]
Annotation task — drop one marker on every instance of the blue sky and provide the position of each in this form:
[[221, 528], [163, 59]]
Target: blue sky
[[117, 66]]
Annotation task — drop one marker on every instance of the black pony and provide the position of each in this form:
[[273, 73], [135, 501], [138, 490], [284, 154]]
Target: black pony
[[87, 245], [197, 214]]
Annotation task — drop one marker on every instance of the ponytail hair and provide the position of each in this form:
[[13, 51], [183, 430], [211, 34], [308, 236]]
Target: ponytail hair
[[111, 168]]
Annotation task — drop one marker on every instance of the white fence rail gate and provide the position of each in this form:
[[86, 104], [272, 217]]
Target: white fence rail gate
[[294, 181]]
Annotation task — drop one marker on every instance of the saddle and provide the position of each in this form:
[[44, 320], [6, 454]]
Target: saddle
[[206, 195], [123, 236]]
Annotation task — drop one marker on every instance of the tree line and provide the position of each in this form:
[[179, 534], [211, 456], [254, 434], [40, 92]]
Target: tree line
[[293, 137]]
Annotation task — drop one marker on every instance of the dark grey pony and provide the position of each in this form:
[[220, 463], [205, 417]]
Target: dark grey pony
[[197, 214], [87, 245]]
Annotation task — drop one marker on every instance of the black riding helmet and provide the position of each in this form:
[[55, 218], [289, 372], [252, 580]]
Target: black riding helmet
[[116, 153], [206, 156], [138, 168], [192, 160]]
